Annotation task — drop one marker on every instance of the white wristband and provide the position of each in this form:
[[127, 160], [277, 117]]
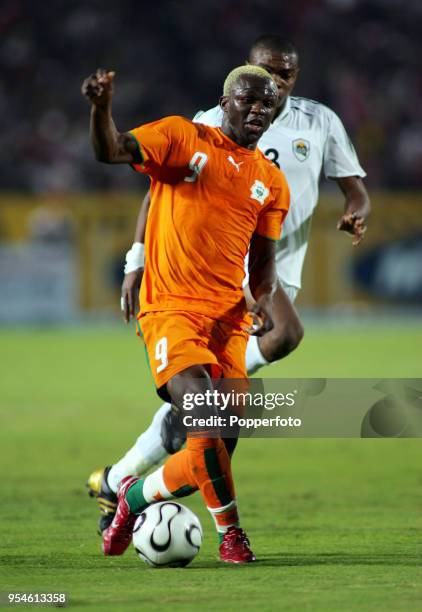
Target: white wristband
[[135, 258]]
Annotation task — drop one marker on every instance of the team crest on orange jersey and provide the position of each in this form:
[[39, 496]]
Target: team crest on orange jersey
[[259, 192], [301, 149]]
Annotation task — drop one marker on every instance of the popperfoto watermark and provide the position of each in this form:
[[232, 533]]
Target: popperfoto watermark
[[238, 407], [234, 420]]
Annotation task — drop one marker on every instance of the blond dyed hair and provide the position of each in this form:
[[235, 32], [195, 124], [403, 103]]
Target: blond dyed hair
[[241, 71]]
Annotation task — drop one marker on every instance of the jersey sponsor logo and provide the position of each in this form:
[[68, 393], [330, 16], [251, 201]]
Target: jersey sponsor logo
[[259, 192], [236, 165], [301, 149]]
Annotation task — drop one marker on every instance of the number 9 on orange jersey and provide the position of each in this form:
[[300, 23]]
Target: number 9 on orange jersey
[[178, 340]]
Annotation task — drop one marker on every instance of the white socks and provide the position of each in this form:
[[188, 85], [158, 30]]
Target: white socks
[[154, 488], [147, 451], [216, 511], [254, 358]]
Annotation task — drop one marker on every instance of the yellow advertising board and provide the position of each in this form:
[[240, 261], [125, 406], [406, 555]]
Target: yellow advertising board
[[98, 229]]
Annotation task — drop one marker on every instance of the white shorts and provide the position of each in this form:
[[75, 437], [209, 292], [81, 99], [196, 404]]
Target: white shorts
[[290, 291]]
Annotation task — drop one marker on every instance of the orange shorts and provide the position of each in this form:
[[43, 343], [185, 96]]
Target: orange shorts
[[177, 340]]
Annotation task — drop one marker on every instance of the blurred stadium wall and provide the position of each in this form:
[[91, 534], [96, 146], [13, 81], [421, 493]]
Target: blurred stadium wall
[[61, 256]]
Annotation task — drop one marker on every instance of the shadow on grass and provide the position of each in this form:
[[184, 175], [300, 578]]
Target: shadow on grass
[[303, 560], [340, 558], [93, 562]]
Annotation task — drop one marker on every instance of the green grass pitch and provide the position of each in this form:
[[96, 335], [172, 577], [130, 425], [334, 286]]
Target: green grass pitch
[[336, 524]]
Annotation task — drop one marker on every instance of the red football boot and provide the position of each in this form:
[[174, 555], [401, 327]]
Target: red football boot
[[235, 547], [117, 537]]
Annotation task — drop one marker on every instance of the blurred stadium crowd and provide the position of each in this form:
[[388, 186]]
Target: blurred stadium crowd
[[360, 57]]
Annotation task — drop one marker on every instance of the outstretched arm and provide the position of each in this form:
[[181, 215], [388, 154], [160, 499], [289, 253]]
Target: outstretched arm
[[357, 207], [262, 280], [135, 262], [110, 146]]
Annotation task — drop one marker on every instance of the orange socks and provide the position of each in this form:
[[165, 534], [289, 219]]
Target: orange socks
[[205, 465]]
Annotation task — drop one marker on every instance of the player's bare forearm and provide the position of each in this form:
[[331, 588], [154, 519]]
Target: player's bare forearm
[[103, 133], [109, 145], [356, 209], [262, 309], [135, 263], [356, 197], [262, 269], [262, 278], [141, 222]]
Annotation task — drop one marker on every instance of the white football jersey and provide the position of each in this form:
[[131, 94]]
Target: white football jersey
[[304, 139]]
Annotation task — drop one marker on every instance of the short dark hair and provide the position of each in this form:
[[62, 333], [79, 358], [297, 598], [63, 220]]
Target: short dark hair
[[274, 42]]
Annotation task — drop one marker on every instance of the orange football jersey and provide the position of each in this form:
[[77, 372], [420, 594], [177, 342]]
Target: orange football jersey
[[208, 196]]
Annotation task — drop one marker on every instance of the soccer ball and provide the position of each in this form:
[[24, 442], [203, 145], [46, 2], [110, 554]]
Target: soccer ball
[[167, 534]]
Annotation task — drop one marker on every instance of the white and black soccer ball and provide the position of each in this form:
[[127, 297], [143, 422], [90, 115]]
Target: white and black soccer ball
[[167, 534]]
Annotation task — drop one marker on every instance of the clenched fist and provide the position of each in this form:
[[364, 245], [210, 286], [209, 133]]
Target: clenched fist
[[98, 88]]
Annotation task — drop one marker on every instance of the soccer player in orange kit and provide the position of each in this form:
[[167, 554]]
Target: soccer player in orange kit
[[213, 195]]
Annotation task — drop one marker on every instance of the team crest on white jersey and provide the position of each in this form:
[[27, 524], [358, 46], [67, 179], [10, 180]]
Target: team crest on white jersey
[[301, 149], [259, 192]]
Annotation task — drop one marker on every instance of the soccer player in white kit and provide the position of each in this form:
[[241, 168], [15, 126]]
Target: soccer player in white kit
[[304, 139]]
